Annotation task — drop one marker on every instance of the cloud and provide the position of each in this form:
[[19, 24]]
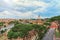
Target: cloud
[[29, 8], [40, 10], [29, 3], [18, 15], [23, 5]]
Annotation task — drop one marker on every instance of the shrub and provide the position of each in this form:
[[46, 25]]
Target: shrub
[[22, 30]]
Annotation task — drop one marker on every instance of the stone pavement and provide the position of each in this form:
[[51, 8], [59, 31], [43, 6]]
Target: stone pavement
[[49, 35]]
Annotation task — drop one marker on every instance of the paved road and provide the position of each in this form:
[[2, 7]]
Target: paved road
[[49, 34], [8, 27]]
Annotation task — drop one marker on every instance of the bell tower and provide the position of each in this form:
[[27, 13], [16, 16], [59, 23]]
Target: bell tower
[[39, 21], [38, 17]]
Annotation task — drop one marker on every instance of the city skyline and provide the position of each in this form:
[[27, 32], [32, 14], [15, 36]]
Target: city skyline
[[26, 9]]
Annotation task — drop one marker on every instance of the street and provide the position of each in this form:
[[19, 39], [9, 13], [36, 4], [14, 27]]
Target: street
[[8, 27], [49, 34]]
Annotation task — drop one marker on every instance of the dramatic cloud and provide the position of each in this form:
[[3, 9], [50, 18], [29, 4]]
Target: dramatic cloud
[[29, 8], [15, 14]]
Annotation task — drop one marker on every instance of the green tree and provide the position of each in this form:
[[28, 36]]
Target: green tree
[[10, 34], [1, 23], [22, 30]]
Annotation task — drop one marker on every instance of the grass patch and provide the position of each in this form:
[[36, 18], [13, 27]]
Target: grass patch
[[57, 34]]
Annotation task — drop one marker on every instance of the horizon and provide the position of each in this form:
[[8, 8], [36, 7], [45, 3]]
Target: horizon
[[27, 9]]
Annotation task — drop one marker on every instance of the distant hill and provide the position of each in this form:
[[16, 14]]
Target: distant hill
[[55, 18]]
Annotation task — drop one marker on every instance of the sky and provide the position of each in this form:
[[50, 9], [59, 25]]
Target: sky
[[27, 9]]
